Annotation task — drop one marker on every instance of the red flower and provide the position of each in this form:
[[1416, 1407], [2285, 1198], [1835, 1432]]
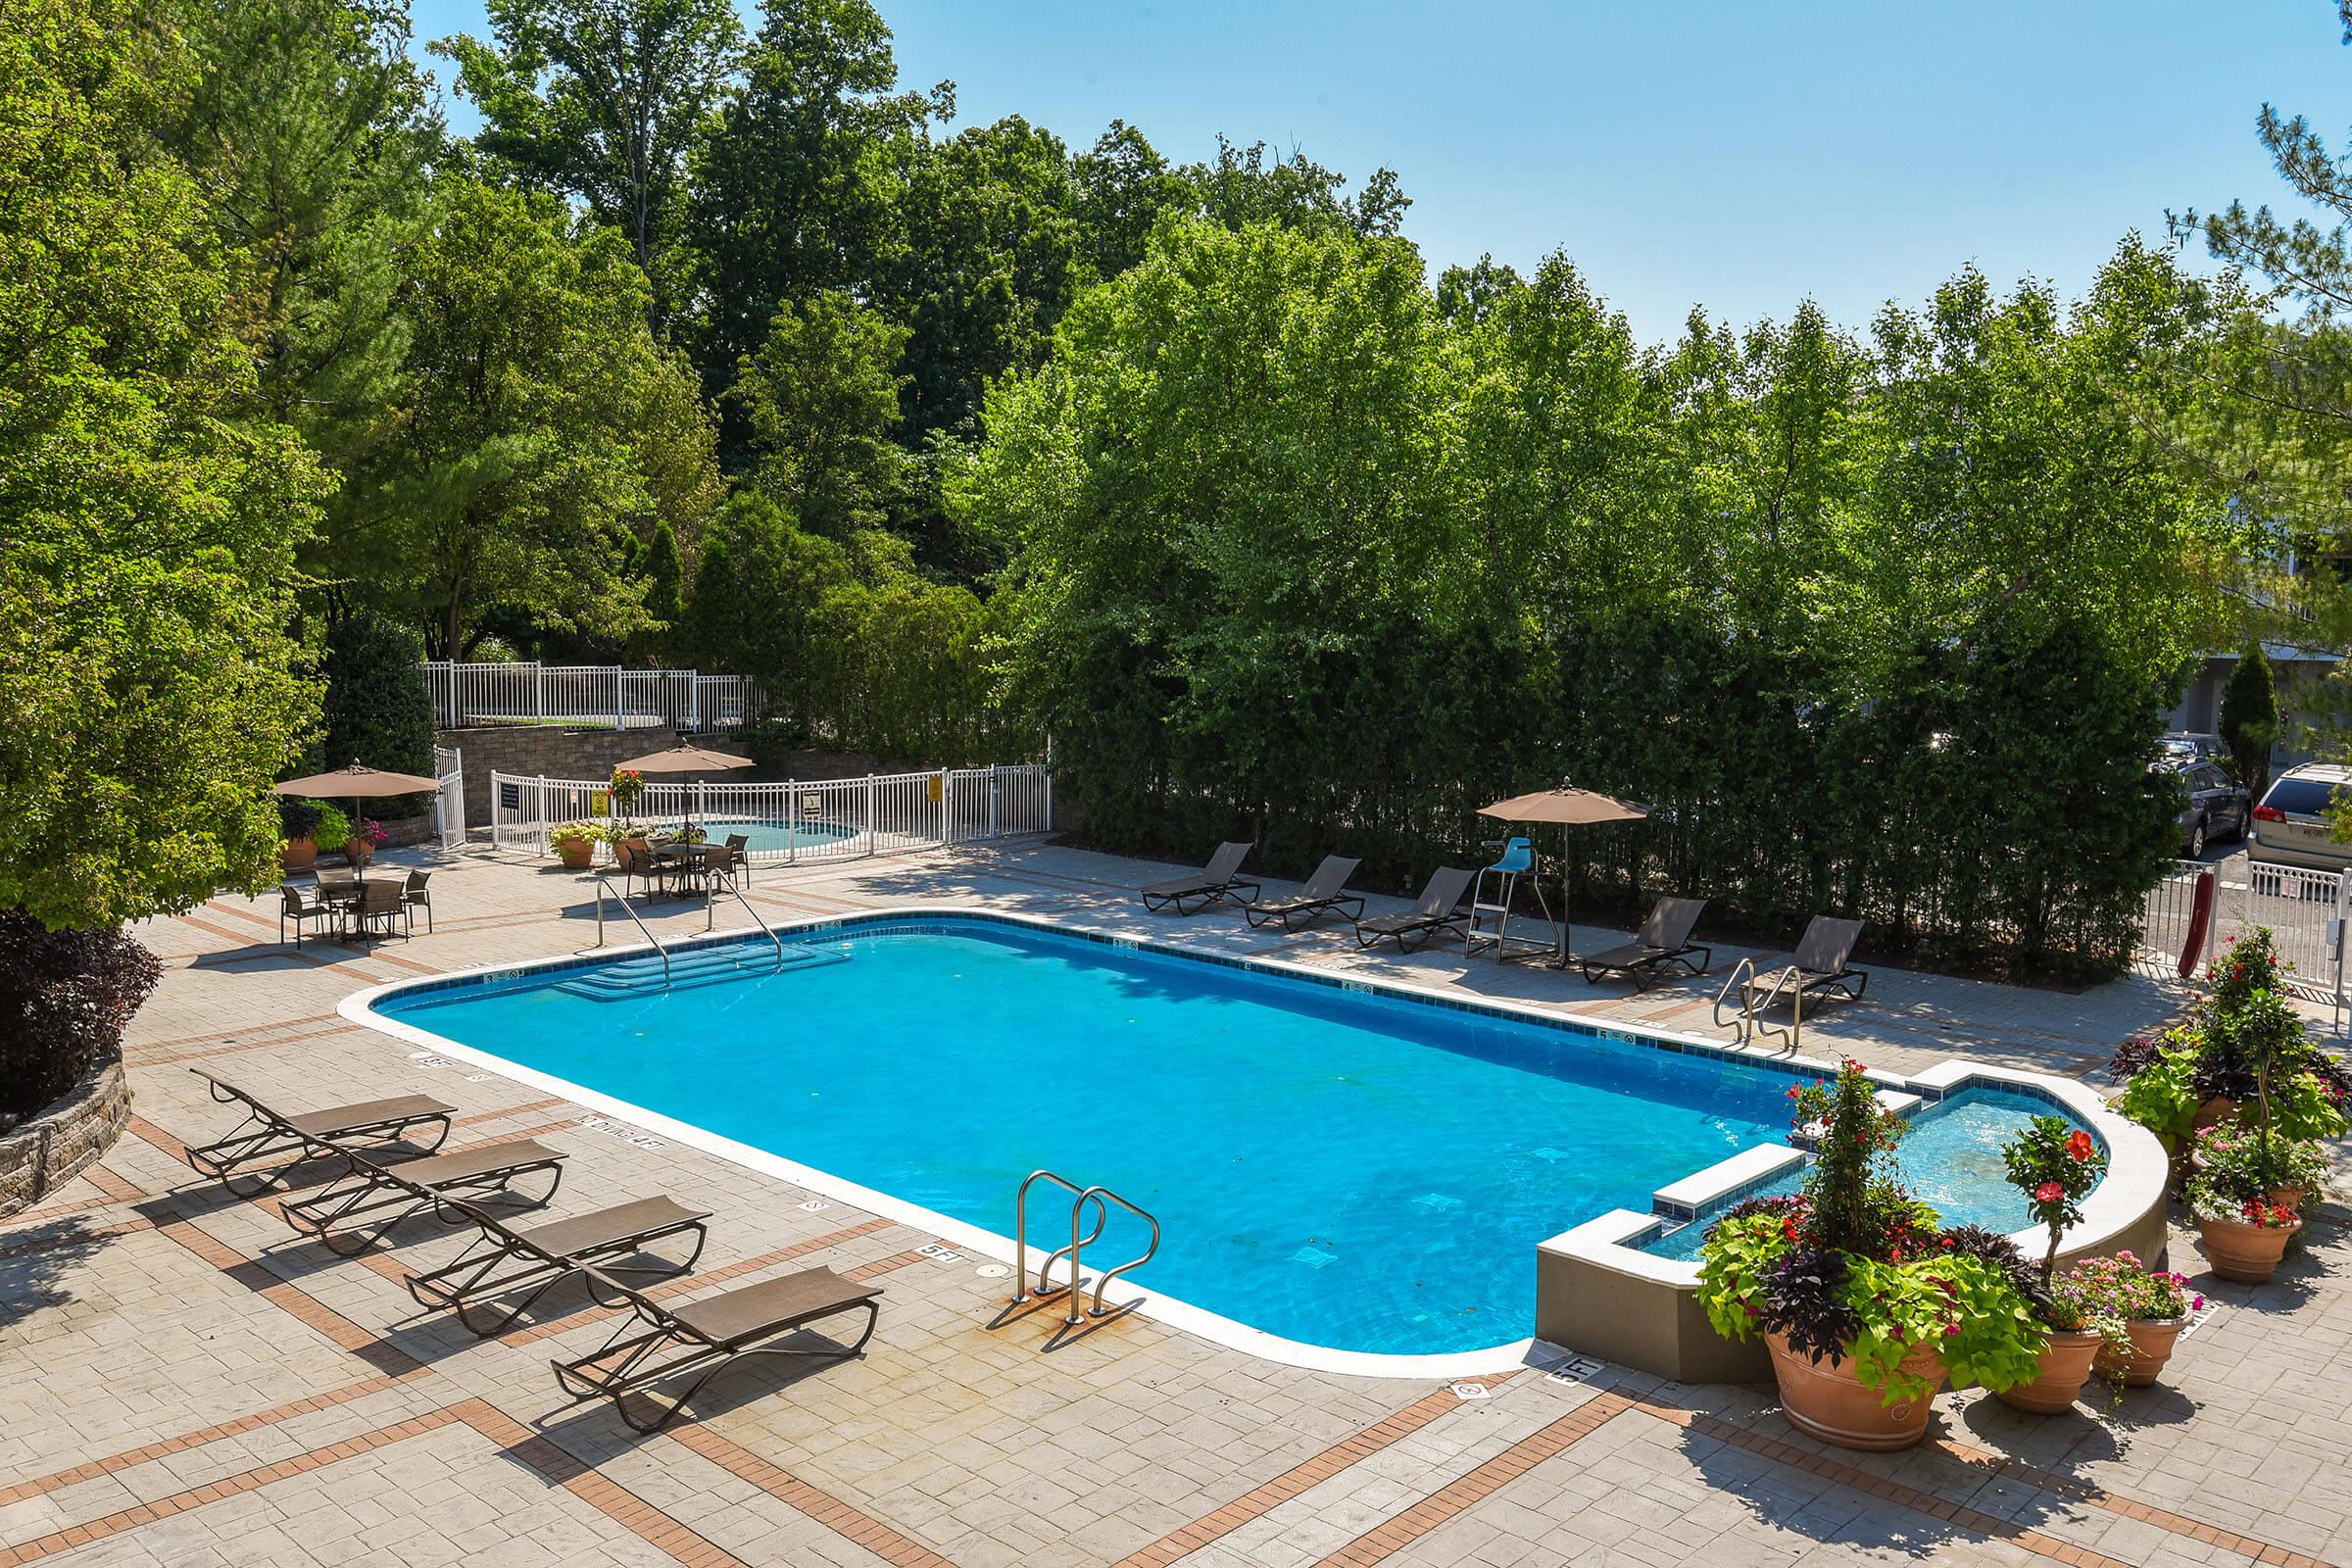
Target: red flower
[[2048, 1193], [2078, 1146]]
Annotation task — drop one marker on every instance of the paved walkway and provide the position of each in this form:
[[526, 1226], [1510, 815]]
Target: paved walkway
[[185, 1381]]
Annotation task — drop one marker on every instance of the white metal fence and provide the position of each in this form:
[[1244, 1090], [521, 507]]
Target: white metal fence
[[449, 806], [795, 823], [2305, 911], [599, 695]]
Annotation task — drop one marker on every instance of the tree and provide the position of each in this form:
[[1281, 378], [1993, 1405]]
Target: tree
[[601, 101], [795, 185], [532, 416], [1124, 188], [147, 522], [665, 572], [2250, 717], [821, 398], [1244, 186], [377, 709]]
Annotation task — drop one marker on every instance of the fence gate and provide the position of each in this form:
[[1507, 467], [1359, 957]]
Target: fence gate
[[449, 808], [2195, 911]]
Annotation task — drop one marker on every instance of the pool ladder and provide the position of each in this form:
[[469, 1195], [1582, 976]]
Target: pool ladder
[[1102, 1197]]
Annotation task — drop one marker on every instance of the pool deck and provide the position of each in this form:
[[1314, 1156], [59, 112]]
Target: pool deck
[[186, 1382]]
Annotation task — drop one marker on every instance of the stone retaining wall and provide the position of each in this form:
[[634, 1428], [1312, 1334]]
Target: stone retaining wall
[[45, 1152], [538, 749]]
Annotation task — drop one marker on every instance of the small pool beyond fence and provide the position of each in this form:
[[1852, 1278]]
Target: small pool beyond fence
[[794, 822]]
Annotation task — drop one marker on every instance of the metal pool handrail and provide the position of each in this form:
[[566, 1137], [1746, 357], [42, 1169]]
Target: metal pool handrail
[[1021, 1239], [1743, 976], [711, 902], [604, 887], [1102, 1196]]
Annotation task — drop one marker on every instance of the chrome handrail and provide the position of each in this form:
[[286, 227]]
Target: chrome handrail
[[1749, 1026], [1020, 1240], [711, 901], [603, 887], [1102, 1196]]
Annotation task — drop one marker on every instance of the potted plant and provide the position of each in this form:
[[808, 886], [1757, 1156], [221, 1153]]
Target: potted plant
[[627, 787], [333, 831], [367, 836], [2232, 1154], [2056, 1165], [2153, 1306], [298, 823], [575, 843], [1864, 1303]]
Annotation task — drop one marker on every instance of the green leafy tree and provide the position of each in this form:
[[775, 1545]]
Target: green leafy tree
[[535, 426], [1124, 188], [663, 570], [601, 101], [821, 398], [377, 709], [147, 525], [2250, 717]]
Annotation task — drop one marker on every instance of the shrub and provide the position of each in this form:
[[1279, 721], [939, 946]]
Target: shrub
[[564, 833], [334, 827], [298, 819], [2055, 1166], [377, 709], [2250, 717], [66, 997]]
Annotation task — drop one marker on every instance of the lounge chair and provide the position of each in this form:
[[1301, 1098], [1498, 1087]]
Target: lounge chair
[[548, 1253], [372, 1198], [1324, 890], [1440, 908], [714, 1334], [1214, 883], [1664, 939], [1820, 963], [267, 1133]]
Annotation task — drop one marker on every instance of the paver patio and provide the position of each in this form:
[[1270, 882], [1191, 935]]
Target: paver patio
[[186, 1382]]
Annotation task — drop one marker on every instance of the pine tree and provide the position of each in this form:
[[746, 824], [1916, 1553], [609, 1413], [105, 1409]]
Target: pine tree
[[2250, 717]]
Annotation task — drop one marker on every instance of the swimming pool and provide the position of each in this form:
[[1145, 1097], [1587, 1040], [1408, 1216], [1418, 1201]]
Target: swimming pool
[[778, 837], [1344, 1169]]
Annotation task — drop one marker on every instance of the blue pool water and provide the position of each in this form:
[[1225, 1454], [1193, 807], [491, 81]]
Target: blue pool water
[[1951, 1161], [1358, 1172]]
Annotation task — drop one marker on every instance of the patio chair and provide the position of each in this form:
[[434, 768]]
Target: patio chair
[[293, 905], [1820, 963], [1440, 908], [722, 863], [382, 908], [1214, 883], [414, 895], [713, 1334], [266, 1132], [343, 880], [1324, 890], [739, 850], [545, 1255], [1664, 939], [634, 858], [371, 1197]]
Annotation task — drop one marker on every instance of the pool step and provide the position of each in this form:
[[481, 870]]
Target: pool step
[[637, 977]]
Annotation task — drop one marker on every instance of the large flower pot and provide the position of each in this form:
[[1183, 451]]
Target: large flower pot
[[2151, 1347], [357, 853], [298, 854], [2215, 1112], [575, 853], [2065, 1367], [1827, 1400], [2243, 1251]]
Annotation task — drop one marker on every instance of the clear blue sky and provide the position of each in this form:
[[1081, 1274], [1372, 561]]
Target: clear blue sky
[[1740, 155]]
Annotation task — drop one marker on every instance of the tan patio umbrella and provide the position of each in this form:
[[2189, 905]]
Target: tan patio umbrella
[[357, 783], [685, 759], [1570, 807]]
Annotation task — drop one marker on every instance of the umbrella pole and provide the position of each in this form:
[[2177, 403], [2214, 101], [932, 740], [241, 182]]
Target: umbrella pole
[[1566, 928]]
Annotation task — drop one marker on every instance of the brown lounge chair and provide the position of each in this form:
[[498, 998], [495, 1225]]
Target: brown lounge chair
[[266, 1132], [714, 1334], [372, 1198], [1440, 909], [1214, 883], [1324, 890], [1820, 963], [547, 1253], [1664, 939]]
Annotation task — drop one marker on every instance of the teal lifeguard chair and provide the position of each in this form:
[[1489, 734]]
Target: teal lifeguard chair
[[1491, 901]]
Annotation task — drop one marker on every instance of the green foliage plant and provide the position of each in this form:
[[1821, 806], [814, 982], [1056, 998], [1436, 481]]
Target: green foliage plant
[[333, 831], [2249, 717], [568, 833], [2055, 1166]]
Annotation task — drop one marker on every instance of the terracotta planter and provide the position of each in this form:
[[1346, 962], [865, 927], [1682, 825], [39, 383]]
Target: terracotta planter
[[357, 853], [2243, 1251], [2215, 1112], [575, 853], [2065, 1367], [2151, 1347], [298, 854], [1827, 1401]]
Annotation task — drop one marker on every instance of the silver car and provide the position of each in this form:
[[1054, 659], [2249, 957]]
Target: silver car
[[2290, 826]]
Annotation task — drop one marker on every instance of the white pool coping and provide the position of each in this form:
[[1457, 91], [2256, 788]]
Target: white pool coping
[[1599, 1239]]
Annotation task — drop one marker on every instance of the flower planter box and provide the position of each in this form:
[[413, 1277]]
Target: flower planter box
[[2066, 1366], [40, 1155], [1827, 1400], [2246, 1253], [298, 854], [2151, 1347]]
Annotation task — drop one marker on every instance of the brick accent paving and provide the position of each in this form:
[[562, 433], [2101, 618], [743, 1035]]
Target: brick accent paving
[[156, 1417]]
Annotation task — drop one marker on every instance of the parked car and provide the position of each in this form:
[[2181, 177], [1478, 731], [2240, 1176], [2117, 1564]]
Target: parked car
[[2184, 748], [2290, 826], [2216, 806]]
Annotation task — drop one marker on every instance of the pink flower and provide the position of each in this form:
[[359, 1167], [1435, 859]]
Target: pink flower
[[2048, 1193]]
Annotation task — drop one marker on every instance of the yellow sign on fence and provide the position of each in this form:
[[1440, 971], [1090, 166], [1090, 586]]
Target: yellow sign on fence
[[600, 803], [936, 793]]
